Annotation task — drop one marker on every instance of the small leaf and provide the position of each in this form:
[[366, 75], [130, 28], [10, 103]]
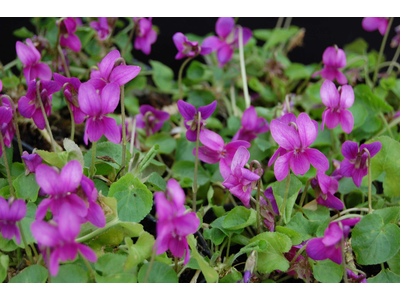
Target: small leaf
[[166, 142], [307, 229], [54, 159], [185, 169], [26, 187], [239, 217], [292, 234], [160, 273], [157, 182], [4, 260], [26, 224], [70, 274], [32, 274], [140, 251], [23, 33], [73, 150], [385, 276], [162, 75], [327, 271]]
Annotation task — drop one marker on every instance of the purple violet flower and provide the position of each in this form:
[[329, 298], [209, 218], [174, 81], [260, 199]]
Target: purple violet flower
[[227, 39], [32, 161], [173, 224], [10, 213], [68, 38], [190, 114], [336, 106], [102, 28], [329, 246], [333, 59], [355, 163], [372, 24], [267, 212], [153, 117], [251, 126], [215, 150], [71, 94], [108, 72], [301, 266], [237, 179], [60, 188], [97, 107], [187, 48], [145, 35], [294, 136], [30, 57], [59, 236], [28, 105], [336, 173], [325, 187], [353, 278]]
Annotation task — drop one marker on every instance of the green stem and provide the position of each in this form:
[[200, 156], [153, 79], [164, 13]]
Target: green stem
[[66, 70], [386, 125], [92, 273], [129, 40], [369, 182], [279, 22], [298, 254], [92, 168], [196, 162], [27, 249], [72, 120], [349, 210], [180, 76], [392, 124], [345, 279], [3, 148], [123, 130], [394, 60], [381, 50], [258, 207], [303, 196], [10, 64], [153, 257], [233, 99], [285, 198], [98, 231], [34, 250], [243, 68], [39, 99]]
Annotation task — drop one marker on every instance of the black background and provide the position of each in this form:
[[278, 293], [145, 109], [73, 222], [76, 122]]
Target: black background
[[320, 33]]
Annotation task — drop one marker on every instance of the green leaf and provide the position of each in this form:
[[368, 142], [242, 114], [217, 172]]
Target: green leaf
[[4, 260], [132, 105], [298, 71], [387, 160], [239, 217], [360, 114], [73, 150], [185, 169], [184, 150], [359, 46], [26, 224], [385, 276], [394, 263], [232, 277], [200, 98], [374, 242], [389, 214], [279, 191], [304, 227], [7, 245], [26, 187], [134, 199], [218, 223], [209, 273], [157, 182], [280, 35], [262, 34], [70, 274], [113, 151], [346, 186], [272, 258], [160, 273], [10, 82], [166, 142], [23, 33], [111, 268], [327, 271], [364, 95], [54, 159], [292, 234], [196, 71], [32, 274], [321, 214], [215, 235], [139, 251], [162, 75]]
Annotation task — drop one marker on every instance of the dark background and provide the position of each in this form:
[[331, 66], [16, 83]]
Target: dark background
[[320, 33]]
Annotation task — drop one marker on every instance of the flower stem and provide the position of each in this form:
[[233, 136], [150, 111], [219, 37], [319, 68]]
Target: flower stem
[[39, 99], [303, 196], [129, 40], [369, 182], [196, 162], [98, 231], [10, 64], [92, 273], [298, 254], [342, 244], [123, 130], [233, 99], [285, 198], [27, 249], [381, 50], [64, 62], [92, 168], [3, 149], [153, 257], [258, 207], [180, 76], [243, 68], [72, 120], [386, 125], [394, 60]]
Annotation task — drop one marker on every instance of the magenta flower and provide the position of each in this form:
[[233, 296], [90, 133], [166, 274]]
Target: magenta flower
[[227, 39], [10, 213], [336, 106], [325, 187], [32, 161], [237, 179], [301, 266], [187, 48], [71, 94], [173, 224], [150, 118], [97, 107], [28, 105], [267, 212], [190, 114], [355, 163], [145, 35], [6, 124], [215, 150], [60, 188], [102, 28], [30, 57], [372, 24], [108, 72], [251, 126], [336, 173], [59, 237], [68, 38], [353, 278], [329, 246], [333, 59], [294, 136]]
